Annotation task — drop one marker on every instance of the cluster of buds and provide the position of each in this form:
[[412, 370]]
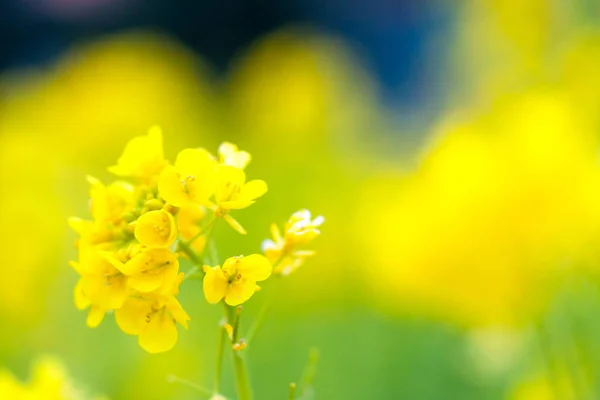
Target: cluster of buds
[[157, 214]]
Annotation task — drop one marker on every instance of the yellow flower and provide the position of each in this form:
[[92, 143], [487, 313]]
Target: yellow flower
[[109, 203], [234, 193], [152, 318], [156, 229], [142, 158], [101, 286], [281, 250], [188, 220], [230, 155], [191, 179], [236, 281], [153, 269]]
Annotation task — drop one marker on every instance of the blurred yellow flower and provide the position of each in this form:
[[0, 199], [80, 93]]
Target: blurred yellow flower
[[156, 229], [281, 251], [48, 381], [502, 205], [236, 281], [229, 154], [191, 179]]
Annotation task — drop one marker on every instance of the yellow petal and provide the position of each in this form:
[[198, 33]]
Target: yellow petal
[[131, 318], [113, 292], [156, 229], [145, 282], [160, 334], [170, 188], [177, 312], [95, 316], [255, 267], [150, 259], [142, 157], [253, 190], [276, 234], [214, 285], [81, 300], [236, 204], [80, 226], [234, 224], [78, 267], [198, 166], [229, 182], [239, 292]]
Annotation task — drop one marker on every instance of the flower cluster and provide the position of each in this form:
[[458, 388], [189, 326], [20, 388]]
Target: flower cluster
[[159, 213]]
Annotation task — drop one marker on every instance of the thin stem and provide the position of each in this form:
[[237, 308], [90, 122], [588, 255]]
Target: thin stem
[[306, 390], [257, 324], [242, 381], [202, 231], [236, 323], [185, 382], [219, 366], [191, 272], [188, 251], [292, 391]]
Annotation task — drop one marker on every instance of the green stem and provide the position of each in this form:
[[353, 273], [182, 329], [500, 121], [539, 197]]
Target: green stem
[[242, 381], [204, 230], [187, 250], [257, 324], [219, 367]]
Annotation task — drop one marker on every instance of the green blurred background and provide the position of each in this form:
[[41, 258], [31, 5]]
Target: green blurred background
[[453, 150]]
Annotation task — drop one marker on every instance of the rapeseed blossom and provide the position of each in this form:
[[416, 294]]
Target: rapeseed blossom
[[236, 280], [157, 214]]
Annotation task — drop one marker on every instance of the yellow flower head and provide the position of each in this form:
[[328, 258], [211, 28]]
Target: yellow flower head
[[230, 155], [234, 193], [152, 318], [142, 158], [236, 280], [153, 269], [156, 229], [191, 179]]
